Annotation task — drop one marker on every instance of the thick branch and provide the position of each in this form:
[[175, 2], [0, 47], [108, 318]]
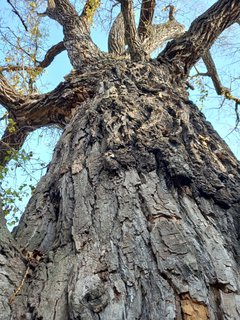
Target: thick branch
[[77, 39], [146, 16], [62, 11], [116, 38], [133, 41], [54, 108], [160, 33], [185, 51]]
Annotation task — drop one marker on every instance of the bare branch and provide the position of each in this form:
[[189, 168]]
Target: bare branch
[[133, 41], [62, 11], [77, 39], [213, 74], [51, 54], [156, 34], [171, 12], [146, 16], [116, 38], [48, 59], [10, 41], [159, 33], [237, 114], [185, 51], [14, 10]]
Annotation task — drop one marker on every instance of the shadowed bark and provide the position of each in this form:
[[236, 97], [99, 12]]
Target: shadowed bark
[[137, 216]]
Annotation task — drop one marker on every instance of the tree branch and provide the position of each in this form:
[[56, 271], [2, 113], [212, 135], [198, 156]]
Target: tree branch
[[185, 51], [51, 54], [47, 60], [62, 11], [33, 112], [55, 107], [133, 41], [156, 34], [18, 14], [77, 39], [146, 16], [159, 33], [212, 72], [116, 38]]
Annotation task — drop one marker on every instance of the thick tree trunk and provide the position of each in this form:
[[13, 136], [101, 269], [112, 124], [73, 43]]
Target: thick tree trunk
[[138, 214]]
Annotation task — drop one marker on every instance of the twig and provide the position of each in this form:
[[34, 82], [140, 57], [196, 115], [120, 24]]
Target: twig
[[18, 14], [237, 115], [19, 288]]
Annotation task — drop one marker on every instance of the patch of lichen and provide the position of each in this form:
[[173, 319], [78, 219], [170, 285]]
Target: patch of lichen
[[90, 8], [51, 4]]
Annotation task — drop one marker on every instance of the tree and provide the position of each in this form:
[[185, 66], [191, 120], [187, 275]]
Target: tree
[[138, 214]]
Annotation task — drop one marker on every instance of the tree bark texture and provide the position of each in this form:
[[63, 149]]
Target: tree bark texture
[[138, 214]]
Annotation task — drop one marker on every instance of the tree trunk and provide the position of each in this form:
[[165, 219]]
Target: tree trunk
[[138, 214]]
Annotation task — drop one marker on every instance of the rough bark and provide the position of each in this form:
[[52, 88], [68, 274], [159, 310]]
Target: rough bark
[[138, 214]]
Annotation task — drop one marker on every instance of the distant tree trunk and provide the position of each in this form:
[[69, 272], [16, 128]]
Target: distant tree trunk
[[138, 214]]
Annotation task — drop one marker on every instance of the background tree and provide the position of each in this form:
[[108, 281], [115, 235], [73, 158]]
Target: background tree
[[138, 214]]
